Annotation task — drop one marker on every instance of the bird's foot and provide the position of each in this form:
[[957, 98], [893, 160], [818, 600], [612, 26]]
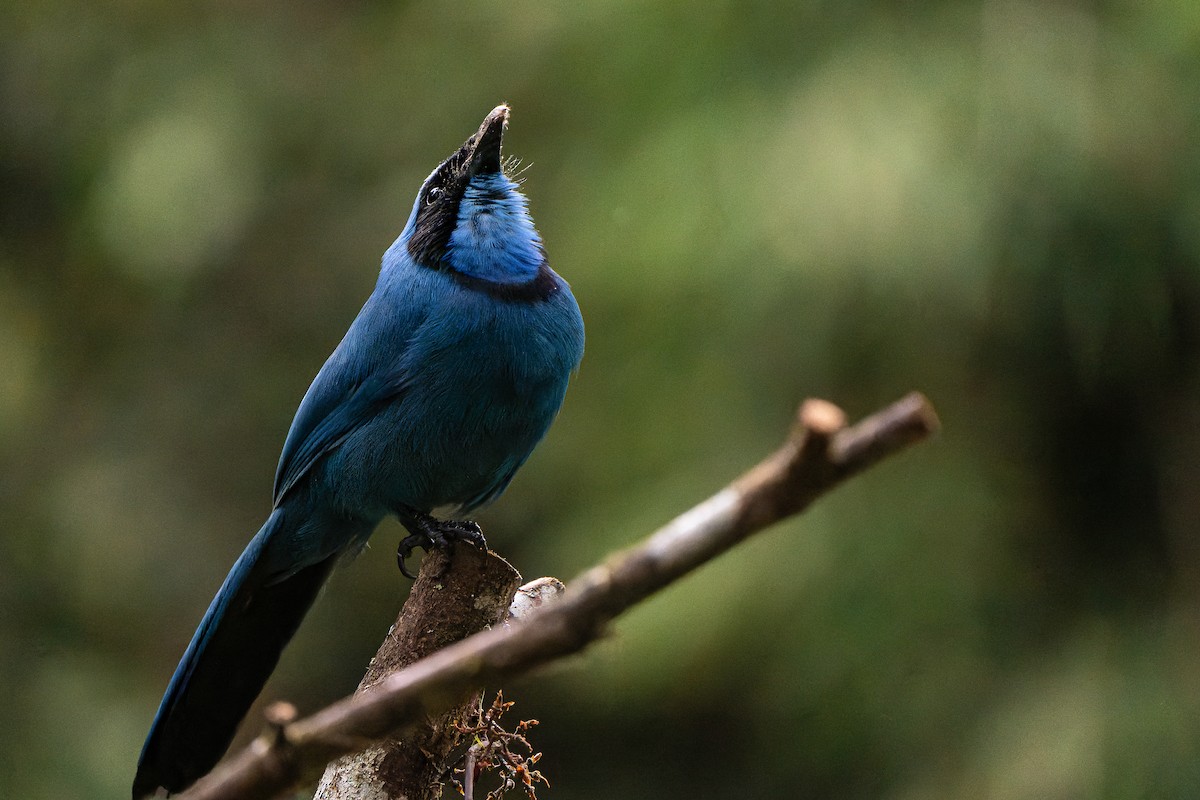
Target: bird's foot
[[429, 532]]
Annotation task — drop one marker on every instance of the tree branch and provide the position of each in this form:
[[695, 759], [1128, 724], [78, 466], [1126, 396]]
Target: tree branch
[[819, 454], [456, 594]]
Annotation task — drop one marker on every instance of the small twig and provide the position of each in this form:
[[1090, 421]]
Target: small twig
[[279, 716], [469, 774], [819, 454]]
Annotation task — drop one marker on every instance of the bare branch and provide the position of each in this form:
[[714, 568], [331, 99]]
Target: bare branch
[[820, 453], [456, 594]]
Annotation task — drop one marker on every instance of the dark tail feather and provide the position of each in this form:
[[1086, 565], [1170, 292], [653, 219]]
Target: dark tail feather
[[230, 657]]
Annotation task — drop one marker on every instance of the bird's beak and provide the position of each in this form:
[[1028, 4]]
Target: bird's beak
[[485, 160]]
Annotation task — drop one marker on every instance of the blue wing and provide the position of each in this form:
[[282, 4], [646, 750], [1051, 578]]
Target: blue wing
[[360, 377]]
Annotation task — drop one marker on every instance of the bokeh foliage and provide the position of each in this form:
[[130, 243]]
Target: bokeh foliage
[[996, 202]]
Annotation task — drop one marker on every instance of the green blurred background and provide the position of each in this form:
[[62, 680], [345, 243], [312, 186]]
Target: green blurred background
[[996, 202]]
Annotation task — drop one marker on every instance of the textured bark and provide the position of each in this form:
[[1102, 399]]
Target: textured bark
[[454, 596]]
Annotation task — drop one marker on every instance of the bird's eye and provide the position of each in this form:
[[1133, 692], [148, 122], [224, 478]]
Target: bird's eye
[[433, 195]]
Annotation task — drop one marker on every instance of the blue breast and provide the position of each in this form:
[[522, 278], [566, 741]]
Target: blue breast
[[483, 378]]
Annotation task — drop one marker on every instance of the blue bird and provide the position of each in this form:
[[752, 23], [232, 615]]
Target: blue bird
[[447, 379]]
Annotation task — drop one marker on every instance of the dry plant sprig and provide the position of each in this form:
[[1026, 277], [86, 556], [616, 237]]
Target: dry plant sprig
[[492, 749]]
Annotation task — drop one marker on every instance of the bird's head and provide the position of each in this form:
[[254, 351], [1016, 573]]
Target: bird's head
[[471, 218]]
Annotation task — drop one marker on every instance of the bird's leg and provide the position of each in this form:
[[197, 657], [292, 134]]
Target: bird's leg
[[427, 532]]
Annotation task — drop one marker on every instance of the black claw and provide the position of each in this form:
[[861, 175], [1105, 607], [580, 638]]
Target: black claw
[[407, 545], [426, 532], [463, 531]]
